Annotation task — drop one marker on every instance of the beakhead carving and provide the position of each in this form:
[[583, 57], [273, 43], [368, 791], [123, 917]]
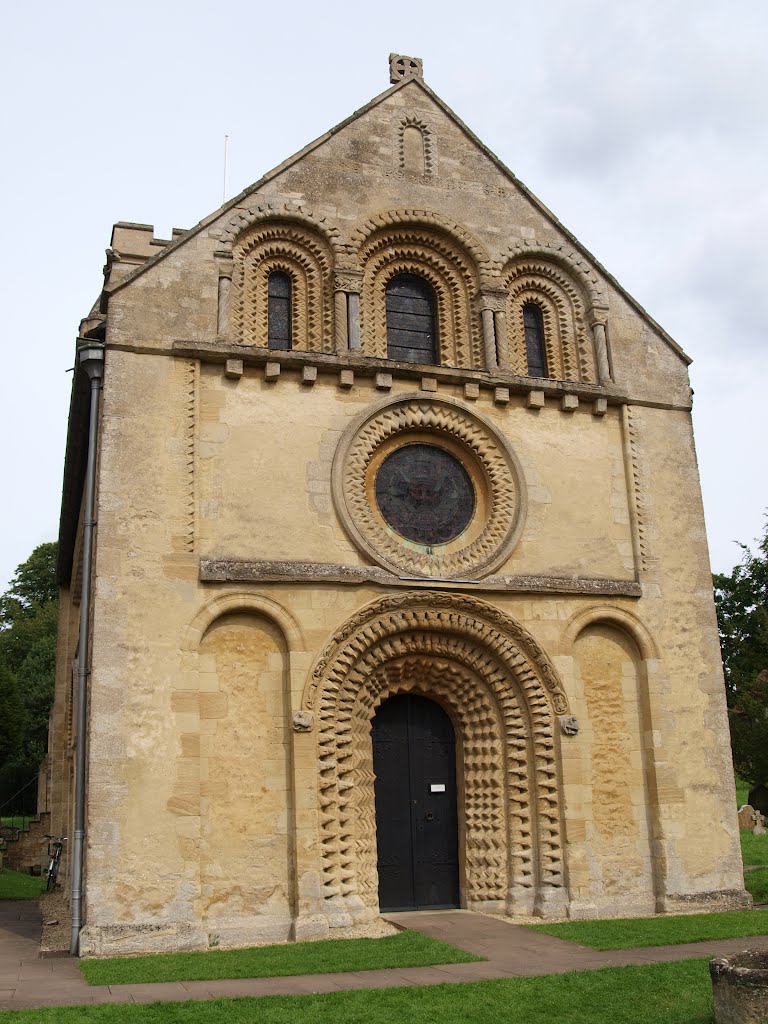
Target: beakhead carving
[[303, 255], [567, 338], [501, 690]]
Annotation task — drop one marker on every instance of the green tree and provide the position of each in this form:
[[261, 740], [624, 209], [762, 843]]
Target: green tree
[[10, 717], [741, 599], [28, 622], [33, 585]]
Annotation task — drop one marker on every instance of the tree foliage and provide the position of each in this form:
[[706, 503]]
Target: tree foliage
[[28, 622], [741, 599]]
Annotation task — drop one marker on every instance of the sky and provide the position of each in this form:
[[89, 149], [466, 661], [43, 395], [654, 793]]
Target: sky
[[641, 126]]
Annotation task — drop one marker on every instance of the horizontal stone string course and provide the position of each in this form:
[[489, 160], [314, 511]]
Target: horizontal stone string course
[[231, 570]]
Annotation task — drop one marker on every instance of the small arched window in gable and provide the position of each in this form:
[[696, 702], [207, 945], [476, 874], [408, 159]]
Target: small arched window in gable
[[533, 323], [279, 289], [411, 331]]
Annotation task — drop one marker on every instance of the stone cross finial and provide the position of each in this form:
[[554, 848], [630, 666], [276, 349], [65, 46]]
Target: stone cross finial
[[401, 67]]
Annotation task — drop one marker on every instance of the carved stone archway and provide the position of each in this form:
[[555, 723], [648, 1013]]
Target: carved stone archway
[[503, 695]]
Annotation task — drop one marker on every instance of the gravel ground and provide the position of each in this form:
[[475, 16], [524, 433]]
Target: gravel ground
[[54, 907]]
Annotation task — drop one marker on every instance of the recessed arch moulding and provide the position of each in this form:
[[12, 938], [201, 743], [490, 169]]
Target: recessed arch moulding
[[504, 697], [483, 451], [284, 235]]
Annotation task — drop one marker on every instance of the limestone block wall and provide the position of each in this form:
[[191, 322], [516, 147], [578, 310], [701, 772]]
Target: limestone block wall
[[244, 628], [204, 802]]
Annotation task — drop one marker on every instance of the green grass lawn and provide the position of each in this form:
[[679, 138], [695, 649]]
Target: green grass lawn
[[626, 933], [754, 849], [742, 791], [406, 949], [678, 993], [756, 883], [16, 820], [15, 886]]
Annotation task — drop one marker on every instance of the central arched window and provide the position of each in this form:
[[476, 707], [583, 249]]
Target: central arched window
[[533, 324], [411, 332], [279, 288]]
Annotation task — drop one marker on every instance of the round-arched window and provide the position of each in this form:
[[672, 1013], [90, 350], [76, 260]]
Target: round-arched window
[[411, 333]]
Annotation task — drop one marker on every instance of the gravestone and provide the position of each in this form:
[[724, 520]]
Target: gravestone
[[746, 816]]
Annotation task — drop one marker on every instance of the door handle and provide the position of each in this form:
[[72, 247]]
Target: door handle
[[429, 816]]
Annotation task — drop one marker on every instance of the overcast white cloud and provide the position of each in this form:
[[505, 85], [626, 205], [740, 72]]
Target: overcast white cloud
[[642, 127]]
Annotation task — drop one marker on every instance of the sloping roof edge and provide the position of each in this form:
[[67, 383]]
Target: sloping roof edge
[[532, 198]]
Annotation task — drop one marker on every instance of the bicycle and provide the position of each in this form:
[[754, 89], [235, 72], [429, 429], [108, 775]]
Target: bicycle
[[55, 846]]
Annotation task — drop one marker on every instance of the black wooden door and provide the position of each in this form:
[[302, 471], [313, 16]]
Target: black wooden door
[[414, 758]]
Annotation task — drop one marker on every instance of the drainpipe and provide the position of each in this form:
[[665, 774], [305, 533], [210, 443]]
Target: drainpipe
[[90, 357]]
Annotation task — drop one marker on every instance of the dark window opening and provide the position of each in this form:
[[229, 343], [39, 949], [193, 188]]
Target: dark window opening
[[279, 289], [533, 322], [411, 334]]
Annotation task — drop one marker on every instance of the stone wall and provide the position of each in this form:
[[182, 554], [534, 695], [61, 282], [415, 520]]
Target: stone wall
[[251, 610]]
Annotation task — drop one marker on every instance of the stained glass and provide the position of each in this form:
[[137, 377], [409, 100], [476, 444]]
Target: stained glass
[[425, 494]]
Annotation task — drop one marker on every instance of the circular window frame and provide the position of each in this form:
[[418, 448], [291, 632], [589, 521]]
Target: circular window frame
[[488, 459]]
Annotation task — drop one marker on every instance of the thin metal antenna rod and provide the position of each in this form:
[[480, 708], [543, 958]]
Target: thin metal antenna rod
[[226, 146]]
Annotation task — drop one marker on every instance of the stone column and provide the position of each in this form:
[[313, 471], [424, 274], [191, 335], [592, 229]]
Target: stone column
[[492, 304], [502, 342], [353, 310], [225, 286], [346, 287], [489, 339], [597, 318], [309, 905], [340, 320], [224, 265]]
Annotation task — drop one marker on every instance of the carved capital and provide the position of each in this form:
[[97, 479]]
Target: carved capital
[[494, 299], [569, 725], [347, 281], [597, 314]]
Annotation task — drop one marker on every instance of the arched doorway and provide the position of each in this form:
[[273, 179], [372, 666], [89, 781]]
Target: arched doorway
[[414, 761], [503, 695]]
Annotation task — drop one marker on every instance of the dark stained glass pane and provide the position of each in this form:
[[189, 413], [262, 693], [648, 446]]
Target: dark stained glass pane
[[411, 336], [533, 322], [425, 494], [279, 310]]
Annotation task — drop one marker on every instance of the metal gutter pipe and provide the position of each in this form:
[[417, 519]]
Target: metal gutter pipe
[[90, 357]]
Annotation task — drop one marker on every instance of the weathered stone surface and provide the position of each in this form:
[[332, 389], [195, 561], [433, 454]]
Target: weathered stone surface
[[746, 816], [740, 987], [251, 606]]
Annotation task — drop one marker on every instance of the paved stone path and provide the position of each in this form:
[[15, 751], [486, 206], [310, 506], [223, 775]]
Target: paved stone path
[[26, 981]]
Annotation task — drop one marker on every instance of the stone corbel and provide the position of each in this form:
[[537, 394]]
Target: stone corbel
[[598, 316], [303, 721], [569, 725]]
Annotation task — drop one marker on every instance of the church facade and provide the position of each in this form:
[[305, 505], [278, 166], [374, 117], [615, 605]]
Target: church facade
[[400, 588]]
